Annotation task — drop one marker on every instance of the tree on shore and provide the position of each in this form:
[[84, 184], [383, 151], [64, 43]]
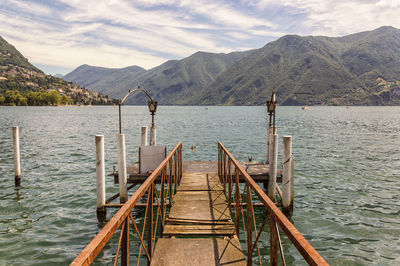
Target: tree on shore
[[37, 98]]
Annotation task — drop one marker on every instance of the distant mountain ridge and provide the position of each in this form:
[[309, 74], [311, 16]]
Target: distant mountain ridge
[[358, 69], [173, 82]]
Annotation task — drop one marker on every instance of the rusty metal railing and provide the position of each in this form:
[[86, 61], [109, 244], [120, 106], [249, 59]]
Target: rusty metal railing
[[170, 171], [241, 199]]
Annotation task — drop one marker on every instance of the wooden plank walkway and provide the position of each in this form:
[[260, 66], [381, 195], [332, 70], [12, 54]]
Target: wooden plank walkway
[[201, 215]]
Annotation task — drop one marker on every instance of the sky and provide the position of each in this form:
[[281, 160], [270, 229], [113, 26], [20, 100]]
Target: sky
[[59, 35]]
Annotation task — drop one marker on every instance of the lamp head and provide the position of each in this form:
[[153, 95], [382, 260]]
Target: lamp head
[[272, 103], [152, 106]]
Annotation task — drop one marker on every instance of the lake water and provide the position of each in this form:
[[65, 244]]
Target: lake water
[[347, 177]]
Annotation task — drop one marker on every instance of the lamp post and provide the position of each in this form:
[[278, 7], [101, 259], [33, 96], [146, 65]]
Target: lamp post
[[271, 105], [152, 108]]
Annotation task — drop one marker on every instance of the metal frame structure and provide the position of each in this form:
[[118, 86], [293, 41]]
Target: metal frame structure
[[229, 171], [151, 104], [170, 171]]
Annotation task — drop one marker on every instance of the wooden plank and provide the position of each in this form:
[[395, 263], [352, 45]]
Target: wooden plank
[[199, 210], [213, 196], [176, 252], [200, 181], [200, 229]]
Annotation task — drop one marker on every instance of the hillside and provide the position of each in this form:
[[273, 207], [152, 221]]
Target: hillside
[[358, 69], [21, 83], [170, 83]]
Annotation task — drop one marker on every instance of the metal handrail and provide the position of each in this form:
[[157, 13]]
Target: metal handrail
[[302, 245], [123, 216]]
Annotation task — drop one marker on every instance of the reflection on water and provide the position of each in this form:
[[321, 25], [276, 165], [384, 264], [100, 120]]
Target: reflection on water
[[347, 202]]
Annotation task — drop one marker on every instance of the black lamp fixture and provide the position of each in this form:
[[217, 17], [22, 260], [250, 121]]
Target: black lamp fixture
[[271, 105], [152, 108]]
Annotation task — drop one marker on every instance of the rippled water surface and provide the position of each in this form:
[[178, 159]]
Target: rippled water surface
[[347, 179]]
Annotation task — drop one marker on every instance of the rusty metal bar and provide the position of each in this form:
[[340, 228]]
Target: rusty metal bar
[[279, 191], [229, 184], [162, 192], [311, 256], [125, 244], [143, 229], [150, 223], [117, 195], [273, 243], [237, 204], [249, 218], [119, 244], [139, 235], [90, 252], [280, 246]]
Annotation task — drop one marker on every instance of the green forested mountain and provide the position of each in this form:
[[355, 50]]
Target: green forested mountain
[[358, 69], [173, 82], [104, 79], [21, 83]]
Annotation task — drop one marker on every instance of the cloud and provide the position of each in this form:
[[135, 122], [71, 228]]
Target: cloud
[[118, 33], [340, 17]]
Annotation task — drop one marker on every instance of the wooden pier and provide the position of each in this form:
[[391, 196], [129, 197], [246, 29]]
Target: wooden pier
[[199, 209], [198, 218]]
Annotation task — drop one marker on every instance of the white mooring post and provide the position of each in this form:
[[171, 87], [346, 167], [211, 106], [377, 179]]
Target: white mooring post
[[286, 173], [144, 137], [273, 167], [153, 136], [123, 193], [100, 178], [270, 136], [17, 161]]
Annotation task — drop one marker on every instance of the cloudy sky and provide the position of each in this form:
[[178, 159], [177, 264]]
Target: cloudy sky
[[58, 36]]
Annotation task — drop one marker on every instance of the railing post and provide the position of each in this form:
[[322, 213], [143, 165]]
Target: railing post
[[180, 164], [144, 136], [225, 173], [219, 161], [249, 216], [237, 206], [273, 167], [273, 242], [123, 193], [175, 172], [229, 183], [170, 182], [162, 192], [17, 160], [286, 175], [150, 223], [125, 243], [291, 182], [100, 178]]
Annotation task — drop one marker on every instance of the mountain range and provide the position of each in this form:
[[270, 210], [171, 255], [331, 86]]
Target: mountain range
[[357, 69]]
